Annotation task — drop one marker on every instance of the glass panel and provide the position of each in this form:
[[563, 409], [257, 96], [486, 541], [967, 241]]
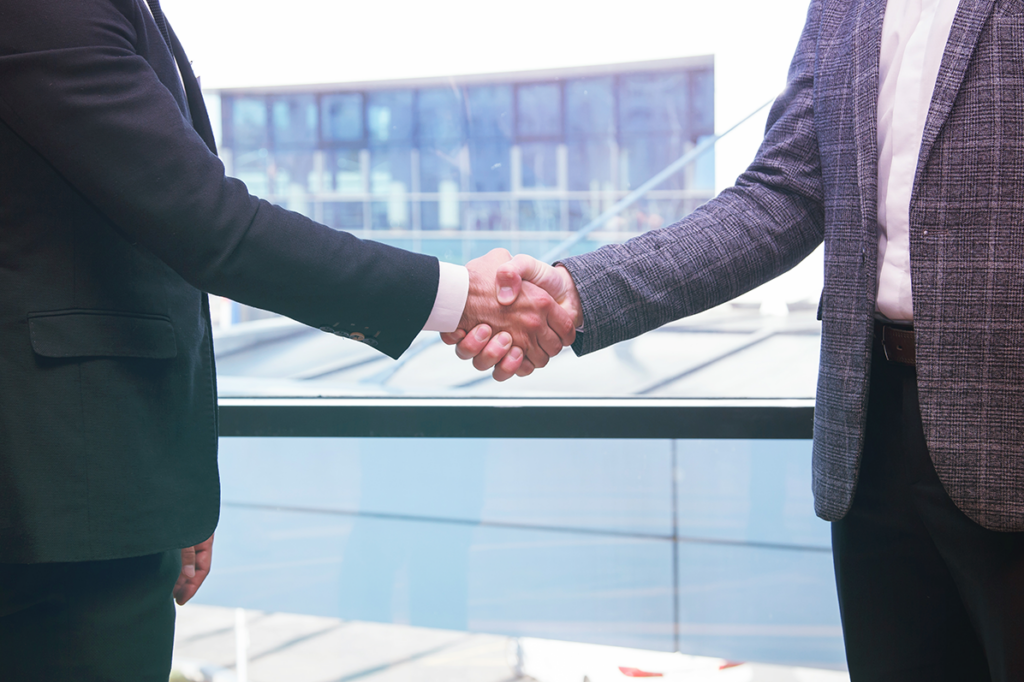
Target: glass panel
[[539, 110], [389, 115], [441, 163], [654, 103], [702, 89], [540, 215], [592, 166], [342, 116], [296, 175], [248, 123], [489, 215], [295, 121], [540, 165], [643, 156], [441, 114], [344, 172], [490, 111], [490, 166], [343, 215], [590, 106], [390, 183], [623, 542]]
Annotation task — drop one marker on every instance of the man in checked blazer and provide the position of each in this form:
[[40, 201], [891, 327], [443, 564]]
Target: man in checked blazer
[[115, 219], [899, 142]]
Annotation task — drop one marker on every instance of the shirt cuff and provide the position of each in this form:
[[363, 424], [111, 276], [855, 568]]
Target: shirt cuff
[[452, 292]]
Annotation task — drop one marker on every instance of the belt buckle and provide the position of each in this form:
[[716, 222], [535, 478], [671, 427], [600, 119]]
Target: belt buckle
[[892, 336], [885, 342]]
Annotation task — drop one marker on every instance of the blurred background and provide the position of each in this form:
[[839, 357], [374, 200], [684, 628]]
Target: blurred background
[[451, 128]]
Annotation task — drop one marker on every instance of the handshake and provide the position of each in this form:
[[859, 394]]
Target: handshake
[[520, 313]]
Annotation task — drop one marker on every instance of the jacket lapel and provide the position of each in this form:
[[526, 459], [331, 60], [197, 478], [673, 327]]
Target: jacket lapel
[[867, 44], [963, 37], [194, 95]]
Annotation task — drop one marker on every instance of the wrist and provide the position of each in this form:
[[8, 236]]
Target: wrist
[[571, 297]]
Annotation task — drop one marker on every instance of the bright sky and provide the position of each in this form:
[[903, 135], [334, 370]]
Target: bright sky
[[235, 43]]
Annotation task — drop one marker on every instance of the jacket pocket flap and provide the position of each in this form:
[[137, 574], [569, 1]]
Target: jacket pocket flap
[[99, 333]]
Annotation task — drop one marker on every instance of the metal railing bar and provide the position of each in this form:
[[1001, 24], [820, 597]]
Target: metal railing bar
[[572, 530], [516, 418]]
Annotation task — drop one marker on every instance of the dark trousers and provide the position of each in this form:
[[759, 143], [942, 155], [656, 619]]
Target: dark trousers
[[88, 621], [924, 592]]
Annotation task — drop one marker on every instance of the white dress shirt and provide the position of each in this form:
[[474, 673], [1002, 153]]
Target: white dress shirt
[[452, 292], [914, 36]]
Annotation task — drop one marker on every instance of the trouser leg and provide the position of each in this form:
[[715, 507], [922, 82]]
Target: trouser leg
[[986, 566], [903, 619], [925, 593], [88, 621]]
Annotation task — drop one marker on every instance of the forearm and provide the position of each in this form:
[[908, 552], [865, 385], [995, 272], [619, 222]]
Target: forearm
[[722, 250]]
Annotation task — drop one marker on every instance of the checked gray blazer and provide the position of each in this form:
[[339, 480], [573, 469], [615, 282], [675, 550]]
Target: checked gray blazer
[[814, 178]]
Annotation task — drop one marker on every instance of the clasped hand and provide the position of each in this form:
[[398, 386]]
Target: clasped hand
[[519, 314]]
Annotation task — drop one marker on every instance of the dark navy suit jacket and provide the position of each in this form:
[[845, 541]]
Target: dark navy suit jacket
[[116, 218]]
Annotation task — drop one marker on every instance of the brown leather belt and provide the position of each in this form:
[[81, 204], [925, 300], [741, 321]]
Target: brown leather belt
[[897, 343]]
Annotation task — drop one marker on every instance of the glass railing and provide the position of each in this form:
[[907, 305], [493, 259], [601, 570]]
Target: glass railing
[[656, 525]]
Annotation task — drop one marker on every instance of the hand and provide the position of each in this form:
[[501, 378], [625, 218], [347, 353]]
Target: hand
[[509, 278], [507, 360], [555, 280], [531, 329], [195, 566]]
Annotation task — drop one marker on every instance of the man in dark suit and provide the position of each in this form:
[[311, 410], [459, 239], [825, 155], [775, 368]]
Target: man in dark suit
[[115, 219], [899, 141]]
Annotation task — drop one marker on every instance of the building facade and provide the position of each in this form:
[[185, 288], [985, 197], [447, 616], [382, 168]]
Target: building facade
[[454, 167]]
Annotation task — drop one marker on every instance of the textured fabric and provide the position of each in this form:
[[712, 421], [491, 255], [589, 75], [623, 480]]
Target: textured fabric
[[815, 178], [115, 219]]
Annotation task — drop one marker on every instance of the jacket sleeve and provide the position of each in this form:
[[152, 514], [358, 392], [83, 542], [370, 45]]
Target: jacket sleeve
[[74, 87], [752, 232]]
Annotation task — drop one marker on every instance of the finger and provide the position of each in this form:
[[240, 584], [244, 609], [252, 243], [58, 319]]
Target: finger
[[536, 355], [525, 369], [200, 559], [452, 338], [509, 365], [187, 590], [204, 559], [494, 351], [561, 323], [474, 343], [188, 562], [549, 342]]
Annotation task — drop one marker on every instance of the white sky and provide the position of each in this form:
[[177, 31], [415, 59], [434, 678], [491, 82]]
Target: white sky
[[235, 43]]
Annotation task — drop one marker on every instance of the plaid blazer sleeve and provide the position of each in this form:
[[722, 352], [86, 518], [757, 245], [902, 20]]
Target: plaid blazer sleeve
[[764, 225]]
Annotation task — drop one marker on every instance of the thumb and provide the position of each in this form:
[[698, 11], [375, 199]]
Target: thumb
[[510, 277], [509, 283]]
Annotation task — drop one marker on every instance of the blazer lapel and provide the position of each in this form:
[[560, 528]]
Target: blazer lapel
[[963, 36], [867, 44], [194, 95]]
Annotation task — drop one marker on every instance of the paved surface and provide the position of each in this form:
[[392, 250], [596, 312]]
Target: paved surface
[[294, 648]]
